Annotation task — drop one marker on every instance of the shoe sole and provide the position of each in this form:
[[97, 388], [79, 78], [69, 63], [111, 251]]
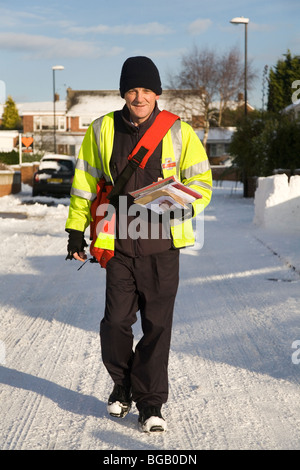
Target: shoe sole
[[153, 425], [153, 429], [118, 410]]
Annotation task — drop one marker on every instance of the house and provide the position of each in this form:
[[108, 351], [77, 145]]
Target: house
[[218, 141], [81, 107], [75, 114], [39, 116], [38, 122]]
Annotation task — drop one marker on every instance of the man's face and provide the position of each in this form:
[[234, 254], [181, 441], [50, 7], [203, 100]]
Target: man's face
[[140, 102]]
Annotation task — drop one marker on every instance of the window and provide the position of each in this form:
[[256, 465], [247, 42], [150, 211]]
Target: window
[[72, 150], [37, 123], [85, 121], [46, 123], [217, 150], [61, 123]]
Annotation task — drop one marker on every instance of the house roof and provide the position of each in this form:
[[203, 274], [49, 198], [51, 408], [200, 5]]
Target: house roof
[[9, 133], [217, 134], [95, 103], [41, 107], [92, 104]]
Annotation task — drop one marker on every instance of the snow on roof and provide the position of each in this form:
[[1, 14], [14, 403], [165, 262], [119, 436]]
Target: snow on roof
[[217, 134], [232, 105], [41, 107], [91, 105], [9, 133]]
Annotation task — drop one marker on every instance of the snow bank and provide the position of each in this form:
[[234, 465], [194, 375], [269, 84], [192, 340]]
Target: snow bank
[[277, 203]]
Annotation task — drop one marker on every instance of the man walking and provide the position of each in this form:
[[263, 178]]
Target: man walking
[[143, 273]]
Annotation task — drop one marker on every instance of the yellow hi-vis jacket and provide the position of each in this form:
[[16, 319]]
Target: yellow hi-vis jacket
[[183, 155]]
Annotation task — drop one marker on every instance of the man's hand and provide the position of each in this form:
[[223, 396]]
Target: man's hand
[[81, 256], [76, 245]]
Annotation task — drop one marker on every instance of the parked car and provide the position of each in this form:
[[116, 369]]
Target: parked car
[[54, 176]]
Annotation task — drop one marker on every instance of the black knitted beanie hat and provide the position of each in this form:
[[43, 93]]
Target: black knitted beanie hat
[[140, 72]]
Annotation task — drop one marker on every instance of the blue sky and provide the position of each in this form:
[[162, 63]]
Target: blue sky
[[91, 39]]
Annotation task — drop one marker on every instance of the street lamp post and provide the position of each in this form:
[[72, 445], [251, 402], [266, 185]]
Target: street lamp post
[[55, 67], [245, 21]]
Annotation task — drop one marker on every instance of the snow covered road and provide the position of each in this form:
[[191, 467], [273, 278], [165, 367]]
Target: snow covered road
[[234, 367]]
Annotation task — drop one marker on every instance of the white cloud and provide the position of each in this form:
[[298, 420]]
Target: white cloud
[[199, 26], [145, 29], [38, 47], [18, 19], [257, 27], [167, 53], [264, 28]]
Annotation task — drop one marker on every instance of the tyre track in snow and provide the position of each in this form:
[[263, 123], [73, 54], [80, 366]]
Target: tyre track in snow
[[232, 383], [243, 328], [57, 374], [33, 330]]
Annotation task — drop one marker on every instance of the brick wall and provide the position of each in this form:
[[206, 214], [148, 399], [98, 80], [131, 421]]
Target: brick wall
[[74, 124], [27, 124], [27, 171]]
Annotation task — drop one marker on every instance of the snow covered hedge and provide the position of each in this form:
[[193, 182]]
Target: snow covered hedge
[[277, 203]]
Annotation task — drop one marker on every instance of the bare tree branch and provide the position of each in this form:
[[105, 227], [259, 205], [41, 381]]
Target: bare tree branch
[[213, 80]]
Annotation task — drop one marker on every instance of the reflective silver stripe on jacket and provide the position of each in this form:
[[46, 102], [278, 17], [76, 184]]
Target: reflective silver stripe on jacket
[[201, 184], [85, 166], [84, 194], [177, 143], [197, 169], [97, 129]]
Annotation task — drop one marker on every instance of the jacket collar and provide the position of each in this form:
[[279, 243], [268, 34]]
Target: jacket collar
[[144, 125]]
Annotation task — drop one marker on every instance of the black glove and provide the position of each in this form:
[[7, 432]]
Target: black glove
[[76, 243], [180, 215]]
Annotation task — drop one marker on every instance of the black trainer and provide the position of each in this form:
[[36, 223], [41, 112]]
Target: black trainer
[[151, 420], [119, 402]]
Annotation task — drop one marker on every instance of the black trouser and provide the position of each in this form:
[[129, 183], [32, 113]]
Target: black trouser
[[148, 284]]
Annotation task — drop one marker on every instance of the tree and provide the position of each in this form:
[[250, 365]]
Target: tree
[[213, 79], [231, 79], [244, 148], [281, 78], [284, 144], [197, 74], [264, 142], [10, 117]]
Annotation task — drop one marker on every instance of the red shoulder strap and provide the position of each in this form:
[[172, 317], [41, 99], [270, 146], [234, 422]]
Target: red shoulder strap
[[150, 140]]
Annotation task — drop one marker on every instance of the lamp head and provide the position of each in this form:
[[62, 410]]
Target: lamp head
[[240, 20]]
